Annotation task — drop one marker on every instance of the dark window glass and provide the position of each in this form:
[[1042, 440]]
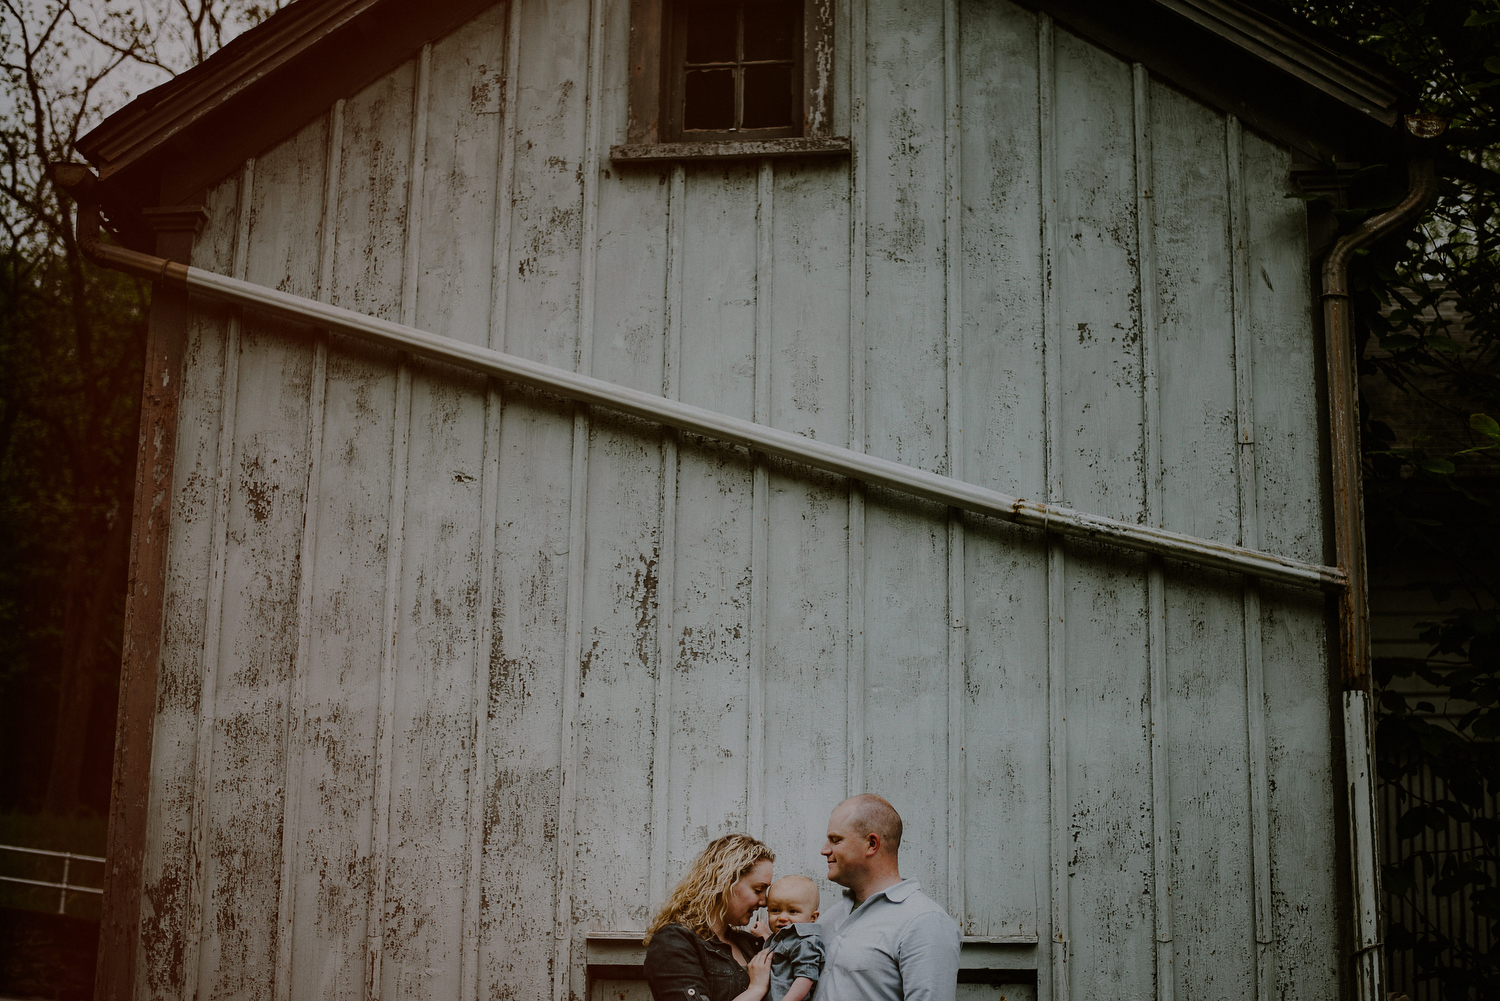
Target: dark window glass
[[768, 97], [709, 100], [712, 32], [769, 31], [739, 60]]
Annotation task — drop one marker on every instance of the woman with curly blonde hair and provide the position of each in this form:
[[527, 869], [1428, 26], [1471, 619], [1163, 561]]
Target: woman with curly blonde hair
[[693, 952]]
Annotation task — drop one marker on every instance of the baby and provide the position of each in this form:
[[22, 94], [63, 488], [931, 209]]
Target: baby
[[796, 943]]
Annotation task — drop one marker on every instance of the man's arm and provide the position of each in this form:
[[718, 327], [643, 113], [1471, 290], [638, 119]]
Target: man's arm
[[927, 955]]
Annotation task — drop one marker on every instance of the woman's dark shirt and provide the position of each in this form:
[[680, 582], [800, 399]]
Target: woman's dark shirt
[[683, 966]]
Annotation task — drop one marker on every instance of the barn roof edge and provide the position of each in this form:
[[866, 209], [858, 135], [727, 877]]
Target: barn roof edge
[[1282, 76]]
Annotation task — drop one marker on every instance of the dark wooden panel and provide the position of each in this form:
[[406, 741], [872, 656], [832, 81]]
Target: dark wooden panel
[[119, 928]]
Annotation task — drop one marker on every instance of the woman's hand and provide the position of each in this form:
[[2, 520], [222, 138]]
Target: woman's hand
[[759, 969]]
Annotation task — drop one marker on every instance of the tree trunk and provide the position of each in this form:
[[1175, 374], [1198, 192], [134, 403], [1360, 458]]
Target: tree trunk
[[90, 598]]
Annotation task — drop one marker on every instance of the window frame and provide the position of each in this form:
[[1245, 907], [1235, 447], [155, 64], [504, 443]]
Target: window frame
[[658, 42], [675, 85]]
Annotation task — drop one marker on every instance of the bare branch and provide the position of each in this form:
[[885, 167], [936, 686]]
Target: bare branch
[[133, 51]]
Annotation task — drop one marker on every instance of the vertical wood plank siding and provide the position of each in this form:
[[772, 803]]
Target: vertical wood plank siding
[[953, 352], [386, 907], [807, 650], [760, 529], [1304, 859], [1059, 799], [159, 967], [859, 278], [1255, 682], [906, 541], [1209, 855], [495, 95], [1156, 625], [1005, 608], [567, 966], [453, 673], [1101, 459], [214, 614], [666, 647], [296, 731]]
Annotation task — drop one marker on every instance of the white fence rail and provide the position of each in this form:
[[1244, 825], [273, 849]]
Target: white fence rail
[[64, 887]]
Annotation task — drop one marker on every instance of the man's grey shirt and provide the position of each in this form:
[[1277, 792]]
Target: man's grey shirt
[[898, 945]]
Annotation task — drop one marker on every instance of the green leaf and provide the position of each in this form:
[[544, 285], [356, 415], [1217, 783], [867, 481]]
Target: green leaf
[[1436, 819], [1479, 18], [1440, 466], [1398, 882], [1411, 823], [1398, 936], [1449, 885], [1492, 64], [1454, 810], [1487, 726], [1486, 425]]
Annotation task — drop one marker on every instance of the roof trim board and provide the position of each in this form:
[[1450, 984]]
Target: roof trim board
[[1353, 81], [176, 105], [171, 143], [1294, 99]]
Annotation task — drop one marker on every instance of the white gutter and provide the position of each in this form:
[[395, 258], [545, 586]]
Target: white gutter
[[695, 420]]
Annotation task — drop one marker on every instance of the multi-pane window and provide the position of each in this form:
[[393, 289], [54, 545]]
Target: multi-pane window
[[740, 68], [712, 78]]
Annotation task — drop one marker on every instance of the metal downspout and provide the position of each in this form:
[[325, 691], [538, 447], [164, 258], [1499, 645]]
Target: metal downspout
[[80, 184], [1354, 611]]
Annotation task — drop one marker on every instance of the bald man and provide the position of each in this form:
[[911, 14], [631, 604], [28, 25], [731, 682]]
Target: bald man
[[886, 940]]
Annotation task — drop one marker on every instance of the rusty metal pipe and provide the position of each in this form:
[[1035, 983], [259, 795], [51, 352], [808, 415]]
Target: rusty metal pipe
[[80, 184], [709, 424], [1343, 418], [1354, 610]]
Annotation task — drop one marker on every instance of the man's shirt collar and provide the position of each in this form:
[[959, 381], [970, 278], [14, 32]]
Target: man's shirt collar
[[895, 893]]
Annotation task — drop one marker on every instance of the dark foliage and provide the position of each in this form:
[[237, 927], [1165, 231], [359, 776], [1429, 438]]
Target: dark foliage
[[71, 348], [69, 399]]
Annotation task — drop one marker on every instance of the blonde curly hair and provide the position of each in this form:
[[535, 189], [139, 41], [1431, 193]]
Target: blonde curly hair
[[703, 894]]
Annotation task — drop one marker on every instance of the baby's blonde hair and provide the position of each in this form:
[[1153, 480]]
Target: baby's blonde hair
[[703, 894], [799, 886]]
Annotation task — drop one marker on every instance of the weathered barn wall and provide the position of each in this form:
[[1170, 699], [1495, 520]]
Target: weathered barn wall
[[455, 674]]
